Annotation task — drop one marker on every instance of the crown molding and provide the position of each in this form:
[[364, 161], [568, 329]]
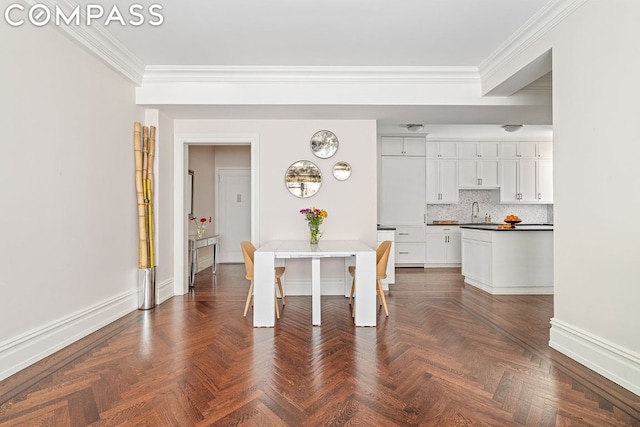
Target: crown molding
[[537, 26], [99, 42], [155, 74]]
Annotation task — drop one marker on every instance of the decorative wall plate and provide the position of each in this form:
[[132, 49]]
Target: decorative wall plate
[[303, 179], [342, 171], [324, 144]]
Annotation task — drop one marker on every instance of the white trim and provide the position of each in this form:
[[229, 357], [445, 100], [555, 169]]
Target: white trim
[[32, 346], [155, 74], [164, 291], [99, 42], [509, 290], [180, 167], [620, 365], [552, 14]]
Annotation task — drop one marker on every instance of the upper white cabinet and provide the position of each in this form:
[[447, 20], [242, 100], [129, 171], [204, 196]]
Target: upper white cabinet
[[478, 150], [402, 146], [526, 181], [442, 150], [402, 191], [526, 150], [479, 174], [442, 181]]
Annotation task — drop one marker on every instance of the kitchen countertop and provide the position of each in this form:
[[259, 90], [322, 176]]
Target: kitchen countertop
[[382, 227], [518, 227]]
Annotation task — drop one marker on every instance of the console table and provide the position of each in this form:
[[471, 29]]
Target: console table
[[196, 243]]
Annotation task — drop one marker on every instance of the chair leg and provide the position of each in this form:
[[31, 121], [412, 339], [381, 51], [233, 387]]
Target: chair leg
[[382, 298], [249, 295], [277, 308], [353, 288], [281, 290]]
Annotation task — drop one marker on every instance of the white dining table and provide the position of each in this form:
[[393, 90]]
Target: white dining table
[[365, 282]]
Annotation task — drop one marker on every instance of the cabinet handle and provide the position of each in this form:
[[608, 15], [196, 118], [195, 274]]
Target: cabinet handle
[[480, 181], [403, 234], [424, 218], [404, 253], [539, 196]]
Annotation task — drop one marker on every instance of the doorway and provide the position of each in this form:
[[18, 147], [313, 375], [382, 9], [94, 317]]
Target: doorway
[[180, 175]]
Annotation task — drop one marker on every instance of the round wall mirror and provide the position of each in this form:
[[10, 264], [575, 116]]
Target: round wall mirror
[[342, 171], [324, 144], [303, 179]]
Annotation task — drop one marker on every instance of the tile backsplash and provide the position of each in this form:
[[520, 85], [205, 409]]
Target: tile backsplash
[[486, 201]]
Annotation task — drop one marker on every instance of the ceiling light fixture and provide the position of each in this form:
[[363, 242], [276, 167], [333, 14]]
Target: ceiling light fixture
[[415, 127], [512, 128]]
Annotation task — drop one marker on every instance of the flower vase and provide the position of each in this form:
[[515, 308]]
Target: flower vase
[[200, 231], [314, 234]]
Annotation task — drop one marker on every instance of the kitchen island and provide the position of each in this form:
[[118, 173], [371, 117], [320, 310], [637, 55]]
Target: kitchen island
[[516, 261]]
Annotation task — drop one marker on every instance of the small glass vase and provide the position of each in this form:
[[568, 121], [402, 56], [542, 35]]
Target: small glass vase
[[314, 234], [200, 231]]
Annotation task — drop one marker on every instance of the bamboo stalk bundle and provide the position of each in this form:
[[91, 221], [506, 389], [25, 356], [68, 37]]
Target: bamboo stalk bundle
[[144, 139], [142, 234], [150, 220]]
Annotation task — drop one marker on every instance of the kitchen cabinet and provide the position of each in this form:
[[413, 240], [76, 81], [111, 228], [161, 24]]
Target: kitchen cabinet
[[442, 181], [402, 191], [508, 262], [479, 174], [410, 246], [526, 181], [443, 246], [473, 150], [442, 150], [526, 150], [402, 146]]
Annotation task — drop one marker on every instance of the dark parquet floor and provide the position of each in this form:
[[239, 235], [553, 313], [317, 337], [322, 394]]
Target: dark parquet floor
[[448, 355]]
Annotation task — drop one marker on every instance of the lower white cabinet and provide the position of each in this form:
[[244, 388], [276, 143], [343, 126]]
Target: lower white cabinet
[[444, 246], [409, 246]]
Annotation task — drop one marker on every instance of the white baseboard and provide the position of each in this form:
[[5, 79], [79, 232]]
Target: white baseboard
[[164, 291], [447, 265], [22, 351], [616, 363], [514, 290]]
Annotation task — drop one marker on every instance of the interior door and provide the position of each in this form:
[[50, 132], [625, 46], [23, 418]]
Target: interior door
[[234, 201]]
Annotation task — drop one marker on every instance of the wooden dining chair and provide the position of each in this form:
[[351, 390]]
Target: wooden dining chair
[[248, 251], [382, 258]]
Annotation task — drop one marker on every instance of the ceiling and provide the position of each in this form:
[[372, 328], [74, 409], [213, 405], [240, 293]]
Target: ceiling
[[330, 33]]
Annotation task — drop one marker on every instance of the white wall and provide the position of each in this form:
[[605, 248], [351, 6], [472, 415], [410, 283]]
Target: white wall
[[164, 208], [351, 204], [68, 222], [596, 177]]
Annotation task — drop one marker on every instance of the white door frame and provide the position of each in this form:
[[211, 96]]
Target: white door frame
[[218, 198], [181, 143]]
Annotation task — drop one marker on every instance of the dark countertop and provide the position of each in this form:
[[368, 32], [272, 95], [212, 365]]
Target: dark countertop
[[518, 227], [381, 227]]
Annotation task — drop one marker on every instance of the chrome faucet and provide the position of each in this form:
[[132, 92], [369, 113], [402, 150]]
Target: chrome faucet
[[474, 212]]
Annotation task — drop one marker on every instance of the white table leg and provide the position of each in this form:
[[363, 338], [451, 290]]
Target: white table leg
[[264, 289], [365, 300], [315, 291]]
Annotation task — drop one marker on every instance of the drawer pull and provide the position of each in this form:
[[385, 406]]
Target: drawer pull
[[404, 253], [403, 234]]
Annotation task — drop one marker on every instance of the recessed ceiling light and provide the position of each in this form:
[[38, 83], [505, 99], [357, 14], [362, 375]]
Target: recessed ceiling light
[[512, 128]]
